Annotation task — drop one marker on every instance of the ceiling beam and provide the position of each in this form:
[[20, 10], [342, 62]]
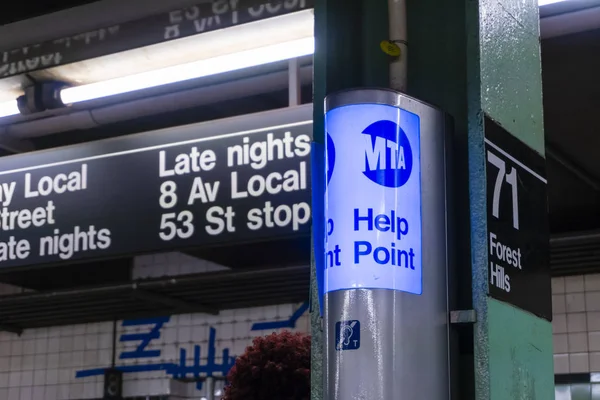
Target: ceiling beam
[[568, 23], [11, 328], [177, 304], [573, 167], [12, 145]]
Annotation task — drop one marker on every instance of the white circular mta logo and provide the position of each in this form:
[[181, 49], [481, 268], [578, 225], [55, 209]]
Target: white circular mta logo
[[388, 158]]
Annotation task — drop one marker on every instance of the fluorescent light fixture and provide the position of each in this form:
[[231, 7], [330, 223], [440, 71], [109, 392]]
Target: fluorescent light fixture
[[265, 32], [178, 73], [9, 108], [197, 69], [224, 50]]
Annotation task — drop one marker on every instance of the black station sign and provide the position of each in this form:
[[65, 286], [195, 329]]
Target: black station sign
[[236, 180], [517, 220], [203, 17]]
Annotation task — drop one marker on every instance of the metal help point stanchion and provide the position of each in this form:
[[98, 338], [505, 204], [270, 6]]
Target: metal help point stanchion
[[385, 267]]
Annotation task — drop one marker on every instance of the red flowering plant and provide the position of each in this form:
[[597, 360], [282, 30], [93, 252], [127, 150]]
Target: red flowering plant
[[274, 367]]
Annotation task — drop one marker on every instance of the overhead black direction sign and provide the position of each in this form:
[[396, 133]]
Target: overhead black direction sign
[[238, 180], [200, 18]]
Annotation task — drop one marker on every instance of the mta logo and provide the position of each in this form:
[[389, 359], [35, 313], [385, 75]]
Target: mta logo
[[330, 157], [388, 156]]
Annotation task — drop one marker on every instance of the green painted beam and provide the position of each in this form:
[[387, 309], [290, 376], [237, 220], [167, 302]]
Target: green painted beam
[[471, 57], [520, 359], [316, 328], [511, 79], [347, 50], [347, 55], [516, 363]]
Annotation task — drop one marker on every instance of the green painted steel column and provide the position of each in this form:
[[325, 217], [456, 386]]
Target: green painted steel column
[[470, 58], [473, 58], [347, 55], [515, 363]]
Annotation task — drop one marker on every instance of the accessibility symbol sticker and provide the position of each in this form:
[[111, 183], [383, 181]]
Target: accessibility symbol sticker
[[347, 335]]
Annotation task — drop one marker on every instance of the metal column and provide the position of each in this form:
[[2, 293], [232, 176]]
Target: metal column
[[386, 302]]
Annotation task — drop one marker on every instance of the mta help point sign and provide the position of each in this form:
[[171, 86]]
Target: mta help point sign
[[373, 199]]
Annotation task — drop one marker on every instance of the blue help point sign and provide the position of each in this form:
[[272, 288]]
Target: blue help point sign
[[373, 199]]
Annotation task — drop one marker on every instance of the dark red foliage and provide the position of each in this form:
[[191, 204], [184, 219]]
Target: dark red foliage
[[275, 367]]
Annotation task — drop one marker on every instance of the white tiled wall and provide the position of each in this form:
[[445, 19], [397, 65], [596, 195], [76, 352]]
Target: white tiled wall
[[576, 323], [42, 363]]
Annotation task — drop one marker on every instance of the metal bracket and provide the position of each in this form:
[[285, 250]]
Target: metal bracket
[[294, 83], [463, 317]]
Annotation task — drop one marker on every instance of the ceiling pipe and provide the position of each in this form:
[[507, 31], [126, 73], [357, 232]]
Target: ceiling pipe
[[12, 145], [160, 284], [575, 238], [398, 35], [570, 22], [92, 118], [573, 168]]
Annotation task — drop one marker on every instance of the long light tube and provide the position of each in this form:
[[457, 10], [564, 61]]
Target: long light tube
[[178, 73], [9, 108], [197, 69]]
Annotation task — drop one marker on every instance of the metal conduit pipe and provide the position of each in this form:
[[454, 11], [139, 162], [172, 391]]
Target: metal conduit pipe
[[86, 119], [260, 275], [398, 34], [575, 238], [210, 388]]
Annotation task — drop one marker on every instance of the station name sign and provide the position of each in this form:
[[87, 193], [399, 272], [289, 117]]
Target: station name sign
[[517, 218], [237, 180]]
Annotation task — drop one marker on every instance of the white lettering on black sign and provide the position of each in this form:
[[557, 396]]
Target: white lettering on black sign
[[517, 219], [17, 220], [50, 54], [182, 193], [202, 17]]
